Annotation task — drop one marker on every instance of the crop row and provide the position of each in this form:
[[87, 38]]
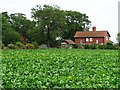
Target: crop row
[[60, 68]]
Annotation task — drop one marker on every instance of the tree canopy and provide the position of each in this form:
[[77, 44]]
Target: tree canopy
[[9, 35], [47, 25], [53, 22]]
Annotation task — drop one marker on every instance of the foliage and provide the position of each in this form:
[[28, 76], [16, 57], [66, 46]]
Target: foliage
[[90, 46], [20, 45], [75, 21], [93, 46], [101, 46], [9, 35], [109, 43], [98, 46], [111, 47], [118, 38], [60, 68], [5, 48], [75, 46], [2, 46], [21, 24], [35, 44], [11, 46], [29, 46], [51, 22], [86, 46]]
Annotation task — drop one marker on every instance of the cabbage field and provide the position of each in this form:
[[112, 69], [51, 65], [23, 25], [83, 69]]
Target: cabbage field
[[60, 68]]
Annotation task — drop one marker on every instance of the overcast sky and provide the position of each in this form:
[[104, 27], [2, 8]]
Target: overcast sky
[[102, 13]]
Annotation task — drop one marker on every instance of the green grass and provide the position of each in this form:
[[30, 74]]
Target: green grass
[[60, 68]]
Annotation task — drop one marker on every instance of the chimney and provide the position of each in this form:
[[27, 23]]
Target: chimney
[[94, 28]]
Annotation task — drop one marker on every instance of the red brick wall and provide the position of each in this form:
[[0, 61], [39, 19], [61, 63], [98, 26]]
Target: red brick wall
[[100, 40], [77, 40], [105, 41]]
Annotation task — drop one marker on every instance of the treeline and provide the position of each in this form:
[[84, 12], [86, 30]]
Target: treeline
[[48, 25]]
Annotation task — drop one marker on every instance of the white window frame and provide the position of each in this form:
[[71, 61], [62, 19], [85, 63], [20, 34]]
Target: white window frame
[[87, 39], [106, 38], [91, 39]]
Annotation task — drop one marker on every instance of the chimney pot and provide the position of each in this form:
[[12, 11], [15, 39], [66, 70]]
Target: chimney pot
[[94, 28]]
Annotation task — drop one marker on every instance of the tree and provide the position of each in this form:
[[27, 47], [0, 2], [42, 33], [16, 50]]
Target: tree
[[118, 38], [21, 24], [37, 34], [76, 21], [9, 35], [50, 20]]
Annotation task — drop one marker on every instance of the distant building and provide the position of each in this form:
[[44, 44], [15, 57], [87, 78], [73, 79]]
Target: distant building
[[92, 37], [67, 44]]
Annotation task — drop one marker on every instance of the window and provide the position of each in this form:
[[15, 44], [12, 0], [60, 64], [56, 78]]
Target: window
[[91, 39], [96, 41], [80, 41], [87, 39], [106, 37]]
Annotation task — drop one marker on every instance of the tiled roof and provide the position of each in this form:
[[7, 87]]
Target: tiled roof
[[91, 34], [69, 41]]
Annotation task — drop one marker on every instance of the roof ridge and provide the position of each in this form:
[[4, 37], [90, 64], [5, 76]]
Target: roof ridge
[[91, 33]]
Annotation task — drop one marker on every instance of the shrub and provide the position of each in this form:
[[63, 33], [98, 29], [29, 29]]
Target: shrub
[[5, 48], [75, 46], [118, 47], [29, 46], [11, 46], [109, 43], [35, 44], [111, 47], [10, 36], [20, 45], [81, 46], [2, 45], [86, 46], [93, 46], [101, 46]]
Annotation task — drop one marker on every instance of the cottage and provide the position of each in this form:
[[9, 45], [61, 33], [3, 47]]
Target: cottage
[[67, 43], [92, 37]]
